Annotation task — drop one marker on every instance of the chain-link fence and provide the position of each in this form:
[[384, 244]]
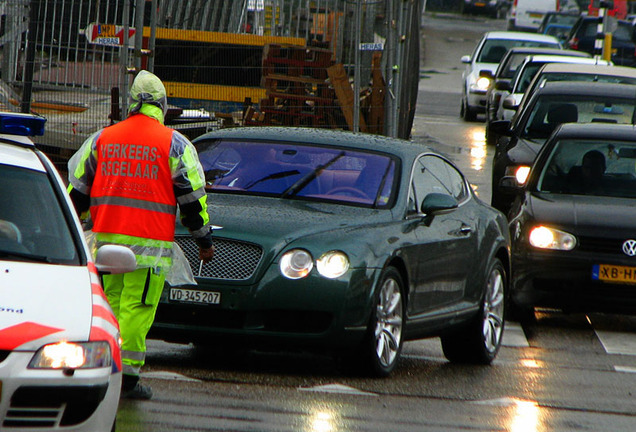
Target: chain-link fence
[[321, 63]]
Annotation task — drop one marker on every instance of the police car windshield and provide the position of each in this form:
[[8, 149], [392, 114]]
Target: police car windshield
[[33, 226]]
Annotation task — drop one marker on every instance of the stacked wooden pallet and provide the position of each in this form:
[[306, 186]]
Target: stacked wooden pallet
[[300, 90]]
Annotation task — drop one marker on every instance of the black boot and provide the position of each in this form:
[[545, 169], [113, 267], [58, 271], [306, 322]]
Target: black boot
[[131, 388]]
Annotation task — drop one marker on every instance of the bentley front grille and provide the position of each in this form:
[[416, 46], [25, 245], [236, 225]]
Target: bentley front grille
[[233, 260]]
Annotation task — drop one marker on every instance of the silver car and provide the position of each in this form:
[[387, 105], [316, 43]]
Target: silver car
[[486, 57]]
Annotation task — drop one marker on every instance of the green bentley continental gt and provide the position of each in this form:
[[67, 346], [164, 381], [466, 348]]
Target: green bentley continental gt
[[345, 243]]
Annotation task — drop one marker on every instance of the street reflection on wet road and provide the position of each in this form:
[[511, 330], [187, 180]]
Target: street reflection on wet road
[[526, 417], [322, 421], [477, 142]]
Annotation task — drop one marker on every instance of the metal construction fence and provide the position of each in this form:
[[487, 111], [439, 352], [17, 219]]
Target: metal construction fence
[[350, 64]]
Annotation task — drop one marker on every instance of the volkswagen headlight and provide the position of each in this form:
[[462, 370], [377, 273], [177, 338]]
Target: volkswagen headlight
[[296, 264], [543, 237], [333, 264], [72, 355], [522, 174], [519, 172]]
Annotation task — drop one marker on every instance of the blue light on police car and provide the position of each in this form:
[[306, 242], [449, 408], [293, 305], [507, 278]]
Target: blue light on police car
[[21, 124]]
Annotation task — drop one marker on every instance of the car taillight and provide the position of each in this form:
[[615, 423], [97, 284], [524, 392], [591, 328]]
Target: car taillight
[[574, 43]]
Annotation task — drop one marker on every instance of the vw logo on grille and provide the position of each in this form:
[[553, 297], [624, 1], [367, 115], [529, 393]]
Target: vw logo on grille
[[629, 247]]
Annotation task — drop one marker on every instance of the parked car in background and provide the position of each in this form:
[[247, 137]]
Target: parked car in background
[[515, 89], [486, 57], [526, 15], [60, 360], [573, 227], [349, 244], [559, 31], [583, 36], [552, 104], [571, 6], [580, 72], [501, 81], [565, 19], [494, 8]]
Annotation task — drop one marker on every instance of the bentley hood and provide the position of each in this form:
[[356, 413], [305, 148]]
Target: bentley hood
[[42, 303], [273, 222]]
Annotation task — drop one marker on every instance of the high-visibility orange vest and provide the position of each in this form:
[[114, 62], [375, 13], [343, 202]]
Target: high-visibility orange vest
[[132, 193]]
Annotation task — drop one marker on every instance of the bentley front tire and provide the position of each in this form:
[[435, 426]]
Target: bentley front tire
[[382, 345]]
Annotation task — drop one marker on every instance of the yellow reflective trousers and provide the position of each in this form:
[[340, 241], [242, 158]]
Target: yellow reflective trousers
[[134, 298]]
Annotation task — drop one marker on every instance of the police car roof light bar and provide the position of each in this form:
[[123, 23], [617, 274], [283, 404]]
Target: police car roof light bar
[[21, 124]]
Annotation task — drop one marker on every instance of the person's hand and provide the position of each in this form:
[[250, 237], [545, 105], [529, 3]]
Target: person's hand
[[206, 255]]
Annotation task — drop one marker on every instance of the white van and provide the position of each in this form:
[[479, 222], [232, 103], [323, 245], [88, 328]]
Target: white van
[[526, 15]]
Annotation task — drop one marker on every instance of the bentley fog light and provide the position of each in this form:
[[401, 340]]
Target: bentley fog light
[[72, 355], [296, 264], [548, 238], [333, 264]]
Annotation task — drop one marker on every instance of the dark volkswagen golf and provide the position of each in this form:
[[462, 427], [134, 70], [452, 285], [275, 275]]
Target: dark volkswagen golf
[[550, 105], [573, 227]]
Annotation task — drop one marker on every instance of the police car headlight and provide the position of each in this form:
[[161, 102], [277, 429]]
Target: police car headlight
[[332, 264], [543, 237], [72, 355], [296, 264]]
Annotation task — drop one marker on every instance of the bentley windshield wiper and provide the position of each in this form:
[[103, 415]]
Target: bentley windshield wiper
[[301, 183], [24, 256], [272, 177]]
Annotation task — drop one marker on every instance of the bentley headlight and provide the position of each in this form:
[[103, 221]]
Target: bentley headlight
[[333, 264], [296, 264], [549, 238], [72, 355]]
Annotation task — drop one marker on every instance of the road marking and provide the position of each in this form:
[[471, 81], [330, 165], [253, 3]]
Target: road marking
[[621, 343], [506, 401], [514, 336], [337, 388], [165, 375], [626, 369], [617, 342]]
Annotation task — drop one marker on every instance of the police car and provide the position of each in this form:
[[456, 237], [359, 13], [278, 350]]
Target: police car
[[60, 360]]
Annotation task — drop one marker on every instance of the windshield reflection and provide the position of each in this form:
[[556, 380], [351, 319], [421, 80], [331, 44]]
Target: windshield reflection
[[288, 170]]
